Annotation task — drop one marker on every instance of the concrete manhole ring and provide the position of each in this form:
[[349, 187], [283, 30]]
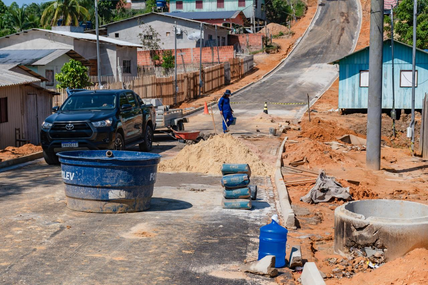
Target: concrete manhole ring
[[393, 225]]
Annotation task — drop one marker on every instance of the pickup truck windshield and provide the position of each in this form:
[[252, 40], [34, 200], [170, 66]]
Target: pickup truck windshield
[[89, 102]]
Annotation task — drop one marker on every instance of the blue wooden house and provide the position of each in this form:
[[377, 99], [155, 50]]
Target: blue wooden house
[[354, 77]]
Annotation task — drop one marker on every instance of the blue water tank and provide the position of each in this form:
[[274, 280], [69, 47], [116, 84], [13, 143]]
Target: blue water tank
[[160, 3], [272, 241], [108, 181]]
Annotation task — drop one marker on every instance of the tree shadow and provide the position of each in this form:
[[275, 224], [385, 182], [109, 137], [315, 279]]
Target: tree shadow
[[391, 170]]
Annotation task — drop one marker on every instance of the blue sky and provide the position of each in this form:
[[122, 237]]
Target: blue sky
[[22, 2]]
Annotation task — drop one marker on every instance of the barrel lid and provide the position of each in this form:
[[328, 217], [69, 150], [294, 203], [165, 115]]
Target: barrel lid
[[274, 227], [116, 155]]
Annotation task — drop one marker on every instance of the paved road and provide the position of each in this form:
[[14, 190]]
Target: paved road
[[185, 238], [332, 35]]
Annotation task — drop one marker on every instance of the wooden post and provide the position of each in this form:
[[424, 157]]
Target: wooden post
[[309, 108], [212, 116]]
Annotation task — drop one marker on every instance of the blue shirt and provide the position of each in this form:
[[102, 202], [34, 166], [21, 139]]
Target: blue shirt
[[224, 104]]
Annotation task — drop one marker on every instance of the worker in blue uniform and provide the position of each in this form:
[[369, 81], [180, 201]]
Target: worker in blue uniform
[[226, 110]]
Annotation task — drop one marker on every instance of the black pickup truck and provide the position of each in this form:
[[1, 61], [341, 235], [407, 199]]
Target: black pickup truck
[[101, 119]]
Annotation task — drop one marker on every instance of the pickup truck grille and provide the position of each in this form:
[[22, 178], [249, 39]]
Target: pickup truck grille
[[63, 131]]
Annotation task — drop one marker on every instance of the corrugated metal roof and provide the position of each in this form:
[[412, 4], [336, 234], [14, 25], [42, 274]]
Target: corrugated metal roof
[[163, 15], [50, 57], [10, 78], [90, 37], [25, 57], [213, 15]]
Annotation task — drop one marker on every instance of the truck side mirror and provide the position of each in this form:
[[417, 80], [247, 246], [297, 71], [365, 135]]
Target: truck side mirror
[[55, 109]]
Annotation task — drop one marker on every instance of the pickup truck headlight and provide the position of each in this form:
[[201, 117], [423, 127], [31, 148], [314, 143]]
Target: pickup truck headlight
[[46, 125], [101, 124]]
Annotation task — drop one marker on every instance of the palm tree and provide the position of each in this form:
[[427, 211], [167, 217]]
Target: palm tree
[[70, 11], [18, 17]]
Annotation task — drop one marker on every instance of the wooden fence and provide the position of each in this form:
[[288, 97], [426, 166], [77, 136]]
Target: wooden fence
[[155, 87]]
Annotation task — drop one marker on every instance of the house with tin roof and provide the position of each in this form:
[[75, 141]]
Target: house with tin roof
[[220, 18], [46, 62], [115, 55], [24, 104]]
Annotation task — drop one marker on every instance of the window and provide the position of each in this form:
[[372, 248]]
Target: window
[[220, 3], [126, 66], [263, 7], [131, 99], [241, 3], [148, 37], [167, 34], [116, 35], [223, 41], [364, 78], [406, 78], [3, 110], [123, 100], [199, 4], [179, 5], [49, 74]]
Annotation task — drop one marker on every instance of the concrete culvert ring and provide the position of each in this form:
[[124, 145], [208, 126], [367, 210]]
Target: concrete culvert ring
[[393, 225]]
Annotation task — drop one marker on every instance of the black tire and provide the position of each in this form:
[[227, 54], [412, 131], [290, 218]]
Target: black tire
[[51, 158], [148, 140], [119, 142]]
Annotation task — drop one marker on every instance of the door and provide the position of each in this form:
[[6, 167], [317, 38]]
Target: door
[[126, 117], [137, 120], [32, 120]]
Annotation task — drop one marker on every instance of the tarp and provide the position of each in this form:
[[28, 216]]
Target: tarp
[[326, 188]]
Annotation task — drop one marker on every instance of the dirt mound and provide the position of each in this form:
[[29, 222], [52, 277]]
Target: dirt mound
[[274, 29], [323, 131], [12, 152], [409, 269], [208, 157], [316, 153]]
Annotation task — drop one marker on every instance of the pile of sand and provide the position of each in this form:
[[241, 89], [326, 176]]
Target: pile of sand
[[208, 157], [12, 152], [274, 29]]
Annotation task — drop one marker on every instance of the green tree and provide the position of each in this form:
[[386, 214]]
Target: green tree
[[69, 11], [278, 11], [403, 23], [168, 61], [73, 75]]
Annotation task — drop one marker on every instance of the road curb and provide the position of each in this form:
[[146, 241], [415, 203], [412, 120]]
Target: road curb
[[22, 159], [284, 200]]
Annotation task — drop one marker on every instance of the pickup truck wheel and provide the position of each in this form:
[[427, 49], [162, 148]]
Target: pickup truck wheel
[[148, 140], [50, 158], [119, 143]]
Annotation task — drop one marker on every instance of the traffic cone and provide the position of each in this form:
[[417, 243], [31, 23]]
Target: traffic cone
[[265, 109], [206, 112]]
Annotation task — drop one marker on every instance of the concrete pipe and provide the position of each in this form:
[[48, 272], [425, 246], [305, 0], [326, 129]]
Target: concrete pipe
[[393, 225]]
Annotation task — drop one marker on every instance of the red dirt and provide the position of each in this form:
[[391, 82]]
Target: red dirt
[[12, 152]]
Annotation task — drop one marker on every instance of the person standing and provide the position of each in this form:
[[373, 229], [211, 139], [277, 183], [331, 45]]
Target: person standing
[[226, 110]]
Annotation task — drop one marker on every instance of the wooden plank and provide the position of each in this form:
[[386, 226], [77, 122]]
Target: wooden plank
[[301, 169]]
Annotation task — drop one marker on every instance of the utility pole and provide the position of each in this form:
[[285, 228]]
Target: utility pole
[[412, 122], [254, 18], [98, 45], [216, 40], [374, 110], [175, 63], [393, 112], [200, 60]]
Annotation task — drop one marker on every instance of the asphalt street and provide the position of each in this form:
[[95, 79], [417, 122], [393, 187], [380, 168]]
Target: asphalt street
[[332, 35]]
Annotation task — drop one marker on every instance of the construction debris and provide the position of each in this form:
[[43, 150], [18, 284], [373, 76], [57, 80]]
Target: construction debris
[[264, 266], [326, 188]]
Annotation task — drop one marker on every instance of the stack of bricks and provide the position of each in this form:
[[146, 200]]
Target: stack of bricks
[[237, 192]]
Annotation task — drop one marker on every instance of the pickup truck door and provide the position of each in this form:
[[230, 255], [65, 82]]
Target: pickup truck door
[[136, 130], [126, 117]]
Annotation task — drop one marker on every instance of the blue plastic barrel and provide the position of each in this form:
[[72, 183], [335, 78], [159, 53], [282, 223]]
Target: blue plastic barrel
[[272, 241], [229, 168], [241, 193], [160, 3], [233, 181], [108, 181]]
